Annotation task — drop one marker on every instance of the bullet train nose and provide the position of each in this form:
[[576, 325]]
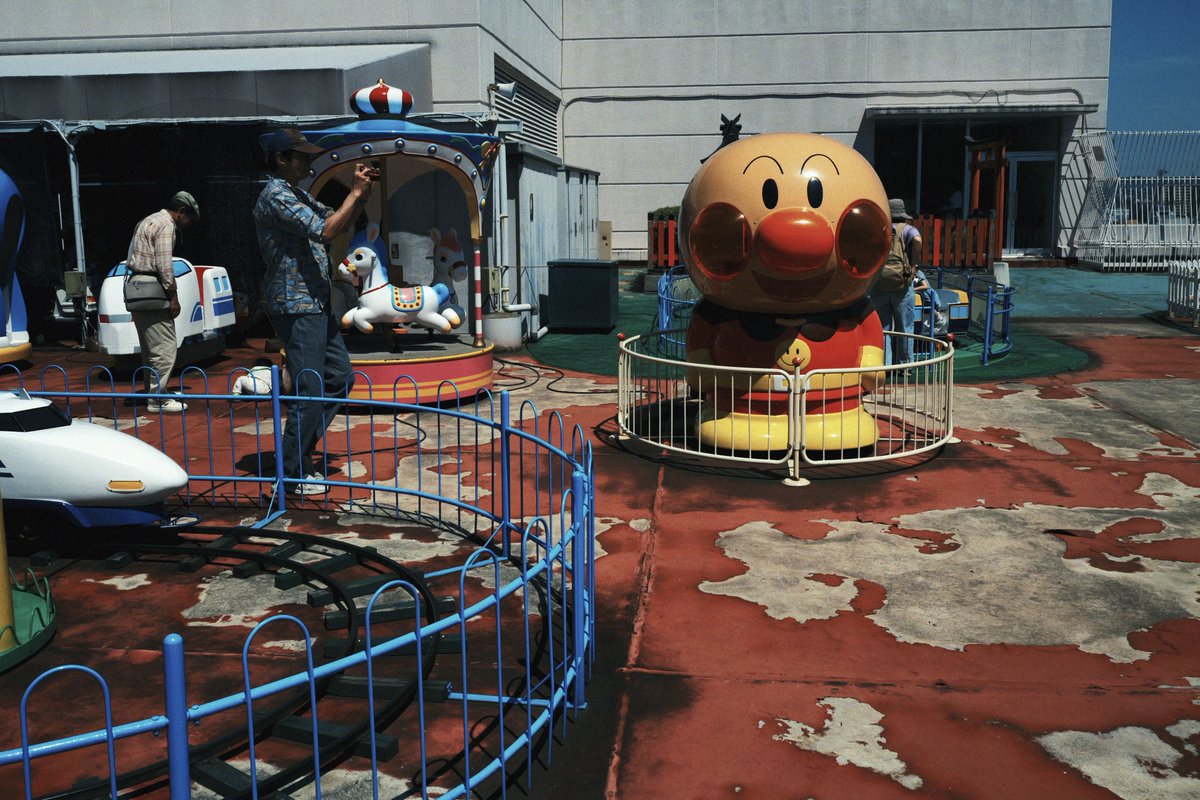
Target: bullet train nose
[[155, 479], [130, 470], [97, 474]]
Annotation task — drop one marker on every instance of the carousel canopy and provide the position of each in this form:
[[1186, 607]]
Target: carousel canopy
[[408, 137]]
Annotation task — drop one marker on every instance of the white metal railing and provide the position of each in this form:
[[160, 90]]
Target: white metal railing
[[792, 420], [1183, 292], [1142, 208]]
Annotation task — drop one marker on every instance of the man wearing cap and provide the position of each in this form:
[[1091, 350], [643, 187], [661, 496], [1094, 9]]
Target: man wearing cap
[[293, 230], [152, 254]]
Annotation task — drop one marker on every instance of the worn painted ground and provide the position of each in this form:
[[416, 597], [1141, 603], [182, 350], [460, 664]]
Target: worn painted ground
[[1017, 618]]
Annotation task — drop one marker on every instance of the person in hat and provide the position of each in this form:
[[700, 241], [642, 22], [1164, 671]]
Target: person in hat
[[897, 305], [152, 257], [293, 230]]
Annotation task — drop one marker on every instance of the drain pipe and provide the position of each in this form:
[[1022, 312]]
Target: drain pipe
[[77, 221], [518, 307], [73, 165]]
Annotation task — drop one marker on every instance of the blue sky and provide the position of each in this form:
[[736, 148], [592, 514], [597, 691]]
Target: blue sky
[[1154, 72]]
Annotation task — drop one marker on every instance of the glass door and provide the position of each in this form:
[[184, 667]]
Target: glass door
[[1032, 185]]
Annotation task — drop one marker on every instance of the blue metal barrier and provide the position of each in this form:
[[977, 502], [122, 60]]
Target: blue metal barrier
[[542, 495], [991, 308], [677, 296]]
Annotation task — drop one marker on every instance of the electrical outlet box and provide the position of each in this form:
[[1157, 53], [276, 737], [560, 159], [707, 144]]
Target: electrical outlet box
[[75, 283]]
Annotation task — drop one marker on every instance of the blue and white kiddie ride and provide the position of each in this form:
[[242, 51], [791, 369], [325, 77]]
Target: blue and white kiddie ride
[[205, 318], [90, 473]]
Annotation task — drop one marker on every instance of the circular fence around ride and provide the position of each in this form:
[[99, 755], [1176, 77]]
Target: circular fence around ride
[[447, 677]]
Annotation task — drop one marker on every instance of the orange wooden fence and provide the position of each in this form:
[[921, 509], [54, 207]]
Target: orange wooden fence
[[662, 250], [957, 243], [954, 243]]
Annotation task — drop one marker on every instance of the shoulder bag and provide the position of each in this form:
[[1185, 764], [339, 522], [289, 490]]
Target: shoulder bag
[[145, 293]]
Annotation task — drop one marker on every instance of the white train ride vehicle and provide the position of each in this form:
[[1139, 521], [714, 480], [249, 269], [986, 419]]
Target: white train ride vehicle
[[206, 315], [92, 474]]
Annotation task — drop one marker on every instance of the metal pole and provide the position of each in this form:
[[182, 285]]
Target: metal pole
[[477, 294], [277, 421], [579, 582], [76, 218], [505, 472], [8, 637], [175, 685]]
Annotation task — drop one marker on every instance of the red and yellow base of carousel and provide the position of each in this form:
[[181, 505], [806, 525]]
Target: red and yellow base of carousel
[[418, 368]]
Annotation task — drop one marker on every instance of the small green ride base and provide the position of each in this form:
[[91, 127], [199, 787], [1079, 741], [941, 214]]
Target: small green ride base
[[34, 620]]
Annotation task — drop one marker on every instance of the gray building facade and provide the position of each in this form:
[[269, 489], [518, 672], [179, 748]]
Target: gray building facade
[[624, 98]]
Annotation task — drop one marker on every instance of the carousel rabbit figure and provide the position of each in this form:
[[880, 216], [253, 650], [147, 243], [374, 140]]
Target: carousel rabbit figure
[[449, 265]]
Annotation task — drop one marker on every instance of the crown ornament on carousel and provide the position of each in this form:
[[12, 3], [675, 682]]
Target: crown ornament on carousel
[[381, 100]]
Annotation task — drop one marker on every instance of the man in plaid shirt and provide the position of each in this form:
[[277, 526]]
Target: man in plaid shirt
[[293, 229], [151, 253]]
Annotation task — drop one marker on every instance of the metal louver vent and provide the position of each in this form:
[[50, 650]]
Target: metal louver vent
[[537, 112]]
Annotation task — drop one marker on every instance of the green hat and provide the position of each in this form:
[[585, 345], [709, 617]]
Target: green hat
[[185, 200]]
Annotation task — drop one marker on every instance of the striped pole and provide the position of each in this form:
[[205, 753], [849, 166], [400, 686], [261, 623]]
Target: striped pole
[[477, 289]]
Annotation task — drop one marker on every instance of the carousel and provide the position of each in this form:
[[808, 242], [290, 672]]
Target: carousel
[[400, 273]]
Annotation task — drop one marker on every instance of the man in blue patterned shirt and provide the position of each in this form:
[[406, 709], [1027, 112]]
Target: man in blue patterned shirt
[[293, 229]]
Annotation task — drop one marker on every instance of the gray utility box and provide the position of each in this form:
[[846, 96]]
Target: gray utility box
[[582, 294]]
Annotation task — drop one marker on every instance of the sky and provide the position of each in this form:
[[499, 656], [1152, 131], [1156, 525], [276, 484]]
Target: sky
[[1154, 68]]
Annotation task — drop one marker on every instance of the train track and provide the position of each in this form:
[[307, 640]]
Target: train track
[[336, 573]]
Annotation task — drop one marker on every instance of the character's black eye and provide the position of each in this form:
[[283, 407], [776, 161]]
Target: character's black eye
[[770, 193], [816, 192]]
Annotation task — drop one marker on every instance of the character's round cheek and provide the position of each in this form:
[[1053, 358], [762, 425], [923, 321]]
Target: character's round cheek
[[863, 238], [720, 240]]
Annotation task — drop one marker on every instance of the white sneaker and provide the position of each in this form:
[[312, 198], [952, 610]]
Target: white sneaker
[[310, 488], [169, 406]]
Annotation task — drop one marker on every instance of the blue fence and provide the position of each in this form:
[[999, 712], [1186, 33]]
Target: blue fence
[[519, 602], [990, 305]]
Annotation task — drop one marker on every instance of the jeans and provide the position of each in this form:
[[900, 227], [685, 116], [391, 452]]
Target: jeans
[[319, 364], [897, 312]]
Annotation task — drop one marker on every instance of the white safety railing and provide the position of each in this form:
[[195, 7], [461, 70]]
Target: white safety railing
[[1142, 208], [1183, 292], [791, 420]]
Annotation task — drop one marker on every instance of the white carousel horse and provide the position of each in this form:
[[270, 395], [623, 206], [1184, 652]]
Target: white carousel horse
[[449, 265], [381, 302]]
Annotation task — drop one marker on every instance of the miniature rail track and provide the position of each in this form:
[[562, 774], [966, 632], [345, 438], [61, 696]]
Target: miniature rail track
[[337, 573]]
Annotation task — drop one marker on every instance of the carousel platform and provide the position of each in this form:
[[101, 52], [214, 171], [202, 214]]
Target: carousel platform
[[413, 365]]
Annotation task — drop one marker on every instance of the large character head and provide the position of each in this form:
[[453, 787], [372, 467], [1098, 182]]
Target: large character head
[[785, 223]]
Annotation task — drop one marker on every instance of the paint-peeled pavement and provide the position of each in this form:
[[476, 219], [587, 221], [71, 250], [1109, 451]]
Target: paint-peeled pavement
[[1019, 617]]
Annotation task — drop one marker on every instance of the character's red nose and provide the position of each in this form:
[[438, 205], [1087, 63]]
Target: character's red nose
[[794, 240]]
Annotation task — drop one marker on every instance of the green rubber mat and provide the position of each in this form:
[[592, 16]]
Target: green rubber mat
[[597, 352], [1041, 293], [1031, 356]]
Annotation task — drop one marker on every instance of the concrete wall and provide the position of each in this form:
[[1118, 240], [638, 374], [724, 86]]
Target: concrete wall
[[644, 85], [463, 35]]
